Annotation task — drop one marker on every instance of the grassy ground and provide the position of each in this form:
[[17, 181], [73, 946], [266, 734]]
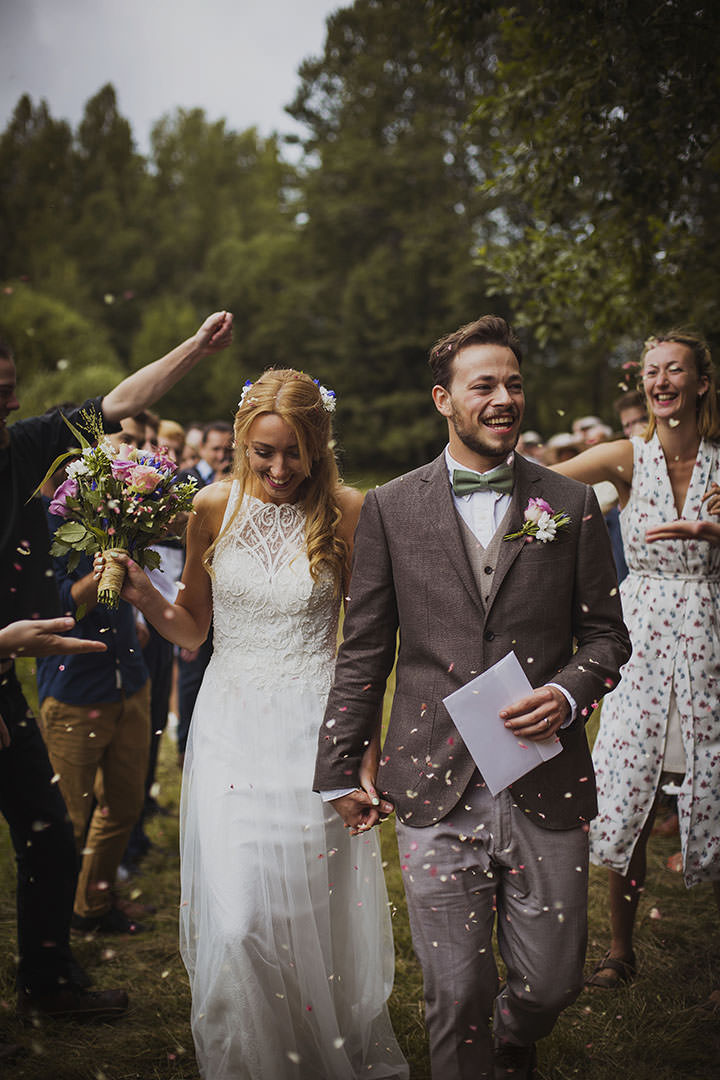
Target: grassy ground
[[657, 1029]]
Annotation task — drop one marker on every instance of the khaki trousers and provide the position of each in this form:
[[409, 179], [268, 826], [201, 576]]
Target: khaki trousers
[[99, 750]]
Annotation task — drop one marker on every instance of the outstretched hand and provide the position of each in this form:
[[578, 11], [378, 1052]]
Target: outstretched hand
[[42, 637], [537, 716], [216, 332], [685, 530]]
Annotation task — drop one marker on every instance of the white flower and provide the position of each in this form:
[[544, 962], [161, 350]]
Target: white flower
[[546, 528], [103, 449], [78, 468], [328, 398]]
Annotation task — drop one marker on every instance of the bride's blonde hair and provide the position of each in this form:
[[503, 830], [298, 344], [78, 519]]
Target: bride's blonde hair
[[296, 399]]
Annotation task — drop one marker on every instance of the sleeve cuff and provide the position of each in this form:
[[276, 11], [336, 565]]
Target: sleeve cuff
[[571, 702], [328, 796]]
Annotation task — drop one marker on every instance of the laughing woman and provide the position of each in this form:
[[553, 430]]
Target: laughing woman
[[662, 724], [284, 922]]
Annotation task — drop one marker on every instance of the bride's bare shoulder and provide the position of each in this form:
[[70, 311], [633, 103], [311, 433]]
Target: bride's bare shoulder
[[209, 505], [349, 501]]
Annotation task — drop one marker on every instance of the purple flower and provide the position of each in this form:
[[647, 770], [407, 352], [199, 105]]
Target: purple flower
[[57, 504], [121, 468]]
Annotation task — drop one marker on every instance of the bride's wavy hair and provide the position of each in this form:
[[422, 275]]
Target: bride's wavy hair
[[296, 399], [708, 411]]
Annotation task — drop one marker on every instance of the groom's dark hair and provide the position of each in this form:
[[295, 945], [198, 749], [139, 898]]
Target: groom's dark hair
[[487, 330]]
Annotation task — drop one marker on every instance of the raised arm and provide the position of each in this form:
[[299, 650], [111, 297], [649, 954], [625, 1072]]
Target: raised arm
[[611, 461], [148, 384]]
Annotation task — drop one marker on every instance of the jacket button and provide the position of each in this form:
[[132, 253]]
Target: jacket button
[[488, 635], [488, 569]]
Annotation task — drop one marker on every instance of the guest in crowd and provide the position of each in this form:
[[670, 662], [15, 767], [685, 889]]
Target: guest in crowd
[[631, 409], [193, 442], [215, 462], [95, 714], [561, 447], [661, 726], [171, 437], [49, 982]]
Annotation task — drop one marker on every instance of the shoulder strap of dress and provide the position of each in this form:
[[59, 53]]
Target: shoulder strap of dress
[[231, 503]]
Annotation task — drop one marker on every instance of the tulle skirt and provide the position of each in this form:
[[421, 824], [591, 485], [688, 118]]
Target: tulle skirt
[[284, 920]]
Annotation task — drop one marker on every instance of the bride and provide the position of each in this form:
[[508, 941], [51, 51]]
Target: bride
[[284, 921]]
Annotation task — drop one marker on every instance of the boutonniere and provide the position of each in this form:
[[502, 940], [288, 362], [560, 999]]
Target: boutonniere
[[541, 522]]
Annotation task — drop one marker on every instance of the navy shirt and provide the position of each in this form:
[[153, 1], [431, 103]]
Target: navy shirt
[[91, 678]]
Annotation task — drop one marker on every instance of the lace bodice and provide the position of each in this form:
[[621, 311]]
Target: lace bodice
[[272, 621]]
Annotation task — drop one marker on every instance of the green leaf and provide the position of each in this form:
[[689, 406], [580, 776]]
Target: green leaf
[[72, 532], [150, 559], [53, 468]]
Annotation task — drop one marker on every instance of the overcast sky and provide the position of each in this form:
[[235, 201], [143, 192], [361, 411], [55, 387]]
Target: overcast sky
[[237, 59]]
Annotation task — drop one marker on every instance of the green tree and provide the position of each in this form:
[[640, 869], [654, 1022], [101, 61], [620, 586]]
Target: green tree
[[394, 219], [36, 190], [607, 155], [60, 354]]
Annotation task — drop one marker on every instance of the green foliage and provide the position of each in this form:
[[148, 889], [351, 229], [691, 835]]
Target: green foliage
[[60, 355], [607, 129], [555, 163], [394, 216]]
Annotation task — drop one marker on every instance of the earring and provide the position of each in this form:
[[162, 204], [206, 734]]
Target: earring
[[247, 452]]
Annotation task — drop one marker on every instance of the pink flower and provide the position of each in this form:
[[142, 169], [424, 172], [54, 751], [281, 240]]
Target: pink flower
[[57, 505], [535, 508], [143, 479], [121, 468]]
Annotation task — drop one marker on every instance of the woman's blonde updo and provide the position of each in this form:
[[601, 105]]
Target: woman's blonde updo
[[296, 399]]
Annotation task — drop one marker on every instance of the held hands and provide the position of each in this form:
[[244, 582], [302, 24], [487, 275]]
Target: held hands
[[363, 808], [215, 333], [537, 716]]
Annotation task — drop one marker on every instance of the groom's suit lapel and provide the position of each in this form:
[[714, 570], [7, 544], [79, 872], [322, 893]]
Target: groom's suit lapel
[[438, 509], [526, 476]]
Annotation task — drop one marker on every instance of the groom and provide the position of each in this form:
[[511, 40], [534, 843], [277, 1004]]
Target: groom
[[431, 560]]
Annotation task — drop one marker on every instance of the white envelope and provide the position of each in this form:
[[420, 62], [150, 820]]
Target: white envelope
[[500, 756]]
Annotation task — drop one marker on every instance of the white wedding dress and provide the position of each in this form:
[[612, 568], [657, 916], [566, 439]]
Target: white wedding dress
[[284, 921]]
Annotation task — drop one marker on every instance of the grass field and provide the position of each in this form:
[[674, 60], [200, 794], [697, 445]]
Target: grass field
[[659, 1028]]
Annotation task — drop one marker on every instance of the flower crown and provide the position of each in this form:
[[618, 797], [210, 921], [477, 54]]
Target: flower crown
[[326, 396]]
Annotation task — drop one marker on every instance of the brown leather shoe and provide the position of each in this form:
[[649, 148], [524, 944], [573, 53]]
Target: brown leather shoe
[[83, 1006], [513, 1062]]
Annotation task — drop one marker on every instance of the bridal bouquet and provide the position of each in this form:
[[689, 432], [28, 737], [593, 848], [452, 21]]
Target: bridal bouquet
[[115, 500]]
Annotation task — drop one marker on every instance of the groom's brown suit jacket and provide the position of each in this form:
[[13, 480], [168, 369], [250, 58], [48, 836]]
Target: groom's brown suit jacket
[[555, 604]]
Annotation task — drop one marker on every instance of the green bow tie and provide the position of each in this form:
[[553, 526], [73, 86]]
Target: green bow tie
[[500, 479]]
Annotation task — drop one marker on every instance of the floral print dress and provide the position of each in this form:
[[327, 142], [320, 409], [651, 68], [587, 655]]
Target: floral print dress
[[671, 607]]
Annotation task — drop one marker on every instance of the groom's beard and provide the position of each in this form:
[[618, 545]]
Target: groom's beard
[[472, 438]]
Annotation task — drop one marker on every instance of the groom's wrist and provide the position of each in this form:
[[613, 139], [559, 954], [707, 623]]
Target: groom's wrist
[[328, 796], [571, 702]]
